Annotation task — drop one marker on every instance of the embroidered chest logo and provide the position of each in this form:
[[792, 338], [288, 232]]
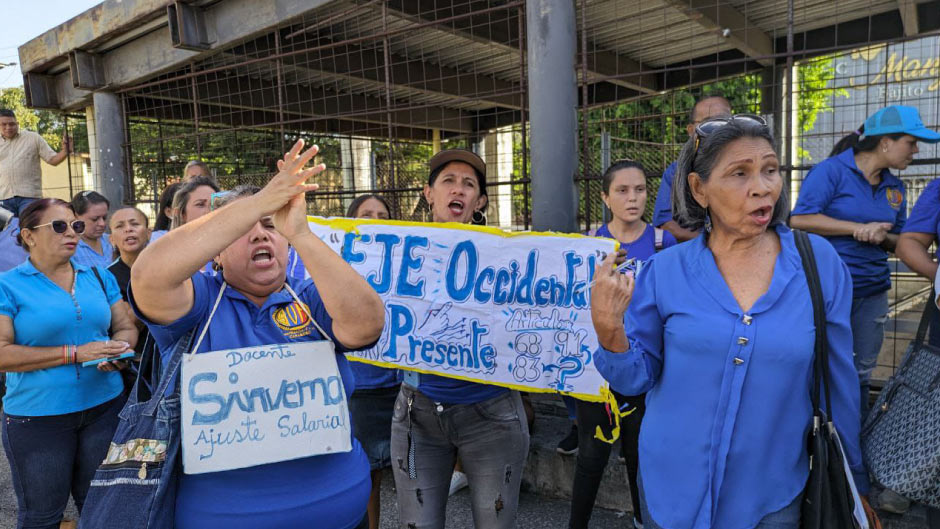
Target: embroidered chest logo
[[292, 320], [894, 197]]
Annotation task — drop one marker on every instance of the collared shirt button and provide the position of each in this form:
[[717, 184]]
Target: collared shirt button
[[738, 361], [440, 408], [742, 340], [747, 319]]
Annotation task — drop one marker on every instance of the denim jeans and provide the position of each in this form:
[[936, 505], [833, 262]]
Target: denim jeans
[[868, 332], [593, 455], [54, 456], [17, 204], [786, 518], [490, 437]]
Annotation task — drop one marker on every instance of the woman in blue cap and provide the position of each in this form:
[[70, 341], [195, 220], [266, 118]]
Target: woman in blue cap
[[854, 200]]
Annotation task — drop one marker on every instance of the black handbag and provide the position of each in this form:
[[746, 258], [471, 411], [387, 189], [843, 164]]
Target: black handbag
[[901, 436], [829, 499]]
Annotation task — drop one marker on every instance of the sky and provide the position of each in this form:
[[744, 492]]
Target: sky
[[27, 19]]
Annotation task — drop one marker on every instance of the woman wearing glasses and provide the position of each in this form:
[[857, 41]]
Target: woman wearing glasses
[[719, 334], [55, 314]]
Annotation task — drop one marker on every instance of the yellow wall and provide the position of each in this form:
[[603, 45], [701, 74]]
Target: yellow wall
[[55, 180]]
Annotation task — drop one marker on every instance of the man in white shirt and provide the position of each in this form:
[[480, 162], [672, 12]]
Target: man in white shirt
[[20, 172]]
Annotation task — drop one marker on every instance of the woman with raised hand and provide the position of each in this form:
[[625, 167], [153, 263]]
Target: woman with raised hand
[[720, 335], [94, 246], [56, 314], [438, 419], [248, 238], [624, 194], [372, 404]]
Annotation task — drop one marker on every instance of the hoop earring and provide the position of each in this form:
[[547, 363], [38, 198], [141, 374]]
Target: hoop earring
[[478, 217]]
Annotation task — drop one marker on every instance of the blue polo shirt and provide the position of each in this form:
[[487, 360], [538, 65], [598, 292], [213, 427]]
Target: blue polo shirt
[[838, 189], [86, 255], [662, 211], [925, 215], [644, 247], [374, 377], [11, 254], [723, 439], [327, 490], [44, 315]]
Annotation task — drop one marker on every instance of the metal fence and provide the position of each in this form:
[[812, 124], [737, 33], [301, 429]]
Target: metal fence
[[381, 85]]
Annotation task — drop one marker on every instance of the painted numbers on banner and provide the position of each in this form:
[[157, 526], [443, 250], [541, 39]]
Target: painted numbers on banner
[[477, 303]]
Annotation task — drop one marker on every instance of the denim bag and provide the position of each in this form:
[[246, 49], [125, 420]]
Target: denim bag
[[135, 486]]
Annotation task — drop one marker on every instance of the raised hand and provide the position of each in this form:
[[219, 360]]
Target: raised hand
[[291, 179], [611, 293]]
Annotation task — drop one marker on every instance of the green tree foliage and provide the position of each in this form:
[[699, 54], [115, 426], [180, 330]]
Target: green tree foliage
[[815, 93]]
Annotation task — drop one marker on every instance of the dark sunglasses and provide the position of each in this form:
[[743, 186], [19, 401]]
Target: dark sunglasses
[[709, 126], [59, 226]]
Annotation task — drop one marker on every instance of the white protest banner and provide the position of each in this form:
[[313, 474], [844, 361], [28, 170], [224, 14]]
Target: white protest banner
[[264, 404], [477, 303]]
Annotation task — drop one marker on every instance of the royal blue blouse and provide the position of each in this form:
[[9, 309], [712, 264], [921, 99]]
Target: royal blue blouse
[[723, 440]]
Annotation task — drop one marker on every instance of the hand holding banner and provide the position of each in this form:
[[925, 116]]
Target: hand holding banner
[[477, 303]]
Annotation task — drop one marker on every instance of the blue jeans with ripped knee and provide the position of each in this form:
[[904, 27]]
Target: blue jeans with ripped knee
[[491, 438]]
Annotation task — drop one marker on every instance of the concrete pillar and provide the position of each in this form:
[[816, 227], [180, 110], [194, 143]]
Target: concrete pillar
[[552, 86], [435, 141], [496, 151], [110, 174], [88, 179], [356, 157]]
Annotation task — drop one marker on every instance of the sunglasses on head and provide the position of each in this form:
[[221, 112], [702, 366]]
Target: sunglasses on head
[[59, 226], [709, 126]]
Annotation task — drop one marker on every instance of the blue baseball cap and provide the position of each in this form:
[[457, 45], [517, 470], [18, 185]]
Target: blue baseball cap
[[901, 119]]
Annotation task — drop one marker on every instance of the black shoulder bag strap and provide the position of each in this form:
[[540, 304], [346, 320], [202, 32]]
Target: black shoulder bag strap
[[925, 319], [821, 356], [100, 281]]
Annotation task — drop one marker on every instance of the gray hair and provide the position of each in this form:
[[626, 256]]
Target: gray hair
[[686, 210], [181, 198]]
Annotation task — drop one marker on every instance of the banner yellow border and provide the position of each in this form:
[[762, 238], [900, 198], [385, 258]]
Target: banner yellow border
[[351, 226]]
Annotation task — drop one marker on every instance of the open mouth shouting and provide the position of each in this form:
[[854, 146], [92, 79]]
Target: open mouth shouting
[[762, 215], [263, 257], [456, 207]]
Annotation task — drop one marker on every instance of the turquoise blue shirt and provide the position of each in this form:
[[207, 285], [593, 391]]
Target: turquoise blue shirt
[[318, 491], [44, 315], [723, 440], [86, 255], [836, 187]]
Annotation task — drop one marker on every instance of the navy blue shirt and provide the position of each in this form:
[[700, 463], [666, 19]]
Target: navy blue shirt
[[838, 189], [925, 215], [644, 247], [331, 489], [723, 440], [662, 211]]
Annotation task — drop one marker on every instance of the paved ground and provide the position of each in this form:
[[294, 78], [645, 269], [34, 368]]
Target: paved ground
[[534, 512]]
